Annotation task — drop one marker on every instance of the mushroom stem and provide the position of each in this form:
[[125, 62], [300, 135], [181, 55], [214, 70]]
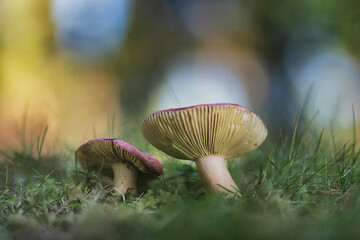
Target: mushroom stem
[[213, 172], [125, 176]]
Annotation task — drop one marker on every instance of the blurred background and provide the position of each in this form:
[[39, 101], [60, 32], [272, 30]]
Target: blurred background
[[79, 69]]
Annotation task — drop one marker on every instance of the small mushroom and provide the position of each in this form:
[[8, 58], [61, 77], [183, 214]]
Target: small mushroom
[[207, 134], [123, 159]]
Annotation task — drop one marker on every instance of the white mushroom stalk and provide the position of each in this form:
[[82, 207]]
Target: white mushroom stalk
[[125, 178], [207, 134], [215, 175]]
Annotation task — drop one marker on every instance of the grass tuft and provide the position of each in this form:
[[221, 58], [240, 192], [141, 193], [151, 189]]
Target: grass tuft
[[303, 187]]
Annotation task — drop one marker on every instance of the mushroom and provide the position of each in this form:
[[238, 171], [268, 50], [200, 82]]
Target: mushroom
[[207, 134], [123, 159]]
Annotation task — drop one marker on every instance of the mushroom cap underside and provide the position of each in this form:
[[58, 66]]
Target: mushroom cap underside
[[101, 153], [228, 130]]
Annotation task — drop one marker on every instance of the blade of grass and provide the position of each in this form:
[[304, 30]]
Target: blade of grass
[[41, 176], [353, 128], [294, 134], [40, 143], [24, 121], [291, 157]]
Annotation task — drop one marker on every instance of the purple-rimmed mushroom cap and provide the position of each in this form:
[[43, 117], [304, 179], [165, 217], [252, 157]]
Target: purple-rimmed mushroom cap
[[207, 134], [121, 157]]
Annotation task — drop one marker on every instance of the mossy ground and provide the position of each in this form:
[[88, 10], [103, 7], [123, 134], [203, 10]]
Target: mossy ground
[[304, 186]]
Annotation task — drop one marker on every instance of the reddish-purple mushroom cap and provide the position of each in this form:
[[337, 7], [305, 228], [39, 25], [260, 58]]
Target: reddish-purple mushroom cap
[[207, 134], [124, 159]]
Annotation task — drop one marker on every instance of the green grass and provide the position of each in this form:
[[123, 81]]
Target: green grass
[[304, 186]]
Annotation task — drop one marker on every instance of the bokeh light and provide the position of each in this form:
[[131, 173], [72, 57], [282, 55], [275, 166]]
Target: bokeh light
[[191, 83], [90, 29], [325, 78], [39, 88], [74, 65], [213, 74], [206, 20]]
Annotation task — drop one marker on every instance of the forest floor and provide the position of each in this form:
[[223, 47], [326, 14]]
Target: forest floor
[[304, 186]]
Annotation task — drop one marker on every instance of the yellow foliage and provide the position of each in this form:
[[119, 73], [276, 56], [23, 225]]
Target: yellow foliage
[[39, 86]]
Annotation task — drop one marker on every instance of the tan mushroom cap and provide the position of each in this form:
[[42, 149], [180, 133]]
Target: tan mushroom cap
[[102, 152], [228, 130]]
